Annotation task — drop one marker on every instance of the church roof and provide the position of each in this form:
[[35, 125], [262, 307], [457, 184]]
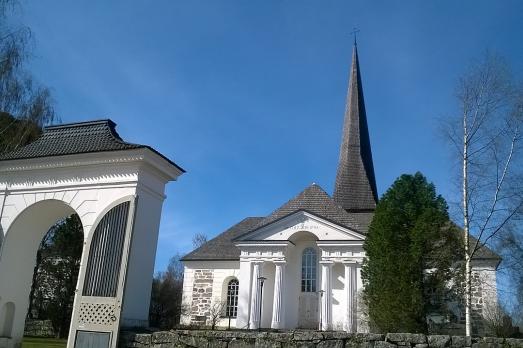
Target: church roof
[[221, 247], [484, 252], [355, 188], [76, 138], [315, 201]]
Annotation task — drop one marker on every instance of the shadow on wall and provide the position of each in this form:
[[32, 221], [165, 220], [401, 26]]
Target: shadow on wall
[[7, 314]]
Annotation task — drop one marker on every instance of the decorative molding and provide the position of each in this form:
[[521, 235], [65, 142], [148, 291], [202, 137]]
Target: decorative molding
[[143, 156], [301, 221]]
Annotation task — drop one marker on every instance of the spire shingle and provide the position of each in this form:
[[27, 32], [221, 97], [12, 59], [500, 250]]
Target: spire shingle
[[355, 187]]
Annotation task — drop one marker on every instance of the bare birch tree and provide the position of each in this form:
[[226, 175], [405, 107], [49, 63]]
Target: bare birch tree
[[486, 133], [25, 105], [216, 311], [198, 240]]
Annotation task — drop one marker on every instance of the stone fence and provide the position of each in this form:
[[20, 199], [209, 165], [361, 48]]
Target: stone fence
[[38, 328], [303, 339]]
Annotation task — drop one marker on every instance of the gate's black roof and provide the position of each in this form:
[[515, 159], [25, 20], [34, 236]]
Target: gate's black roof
[[77, 138]]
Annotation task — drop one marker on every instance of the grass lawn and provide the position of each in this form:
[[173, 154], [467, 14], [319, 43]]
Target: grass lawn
[[34, 342]]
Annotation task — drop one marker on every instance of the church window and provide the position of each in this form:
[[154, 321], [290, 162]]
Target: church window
[[232, 299], [308, 270]]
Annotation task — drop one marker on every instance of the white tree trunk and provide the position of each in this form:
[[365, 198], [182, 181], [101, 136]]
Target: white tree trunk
[[466, 222]]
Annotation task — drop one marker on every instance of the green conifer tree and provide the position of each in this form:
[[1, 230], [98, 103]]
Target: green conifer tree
[[410, 234]]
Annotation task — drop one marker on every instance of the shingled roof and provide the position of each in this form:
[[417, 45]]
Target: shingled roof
[[315, 201], [76, 138], [221, 247], [355, 188]]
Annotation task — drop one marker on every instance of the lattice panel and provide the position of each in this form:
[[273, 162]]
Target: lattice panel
[[97, 314]]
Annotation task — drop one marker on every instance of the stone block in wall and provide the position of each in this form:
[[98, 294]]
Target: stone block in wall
[[383, 344], [438, 341], [242, 343], [514, 343], [337, 335], [216, 343], [363, 340], [461, 341], [283, 337], [307, 336], [39, 328], [370, 336], [267, 342], [193, 341], [355, 344], [331, 344], [164, 337], [406, 338]]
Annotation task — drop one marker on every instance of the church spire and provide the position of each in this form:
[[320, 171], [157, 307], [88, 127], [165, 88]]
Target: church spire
[[355, 187]]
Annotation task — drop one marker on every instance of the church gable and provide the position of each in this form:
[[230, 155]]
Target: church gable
[[302, 221], [317, 202]]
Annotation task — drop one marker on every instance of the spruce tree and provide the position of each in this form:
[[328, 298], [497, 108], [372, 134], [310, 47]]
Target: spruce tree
[[409, 234]]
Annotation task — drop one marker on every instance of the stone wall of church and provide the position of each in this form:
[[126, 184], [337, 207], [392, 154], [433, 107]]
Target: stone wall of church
[[484, 298], [483, 305], [205, 290], [201, 296]]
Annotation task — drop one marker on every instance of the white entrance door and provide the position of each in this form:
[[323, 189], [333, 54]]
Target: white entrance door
[[308, 311]]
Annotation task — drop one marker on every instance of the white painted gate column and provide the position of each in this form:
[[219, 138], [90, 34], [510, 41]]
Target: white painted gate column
[[277, 304], [326, 299], [350, 291], [254, 321]]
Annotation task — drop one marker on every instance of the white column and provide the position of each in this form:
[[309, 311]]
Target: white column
[[350, 291], [277, 304], [244, 295], [254, 321], [326, 299]]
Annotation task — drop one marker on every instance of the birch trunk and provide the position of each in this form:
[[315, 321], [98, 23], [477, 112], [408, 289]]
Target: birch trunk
[[466, 226]]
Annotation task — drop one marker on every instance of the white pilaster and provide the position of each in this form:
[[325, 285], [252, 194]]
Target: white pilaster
[[350, 291], [254, 322], [277, 305], [326, 299]]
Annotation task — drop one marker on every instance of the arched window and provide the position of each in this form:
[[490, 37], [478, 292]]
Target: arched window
[[232, 299], [308, 270]]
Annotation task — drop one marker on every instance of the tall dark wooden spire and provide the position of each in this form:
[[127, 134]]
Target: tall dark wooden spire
[[355, 187]]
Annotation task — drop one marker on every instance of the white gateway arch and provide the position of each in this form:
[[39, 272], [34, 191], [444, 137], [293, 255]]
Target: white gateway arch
[[117, 190]]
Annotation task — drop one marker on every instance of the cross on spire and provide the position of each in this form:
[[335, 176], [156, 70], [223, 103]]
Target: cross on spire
[[354, 32]]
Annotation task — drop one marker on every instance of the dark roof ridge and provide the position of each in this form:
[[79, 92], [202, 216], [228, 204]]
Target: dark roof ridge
[[108, 121]]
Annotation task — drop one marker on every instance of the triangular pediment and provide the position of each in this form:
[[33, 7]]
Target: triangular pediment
[[302, 221]]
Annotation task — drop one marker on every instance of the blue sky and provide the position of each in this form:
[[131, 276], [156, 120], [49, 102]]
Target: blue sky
[[248, 96]]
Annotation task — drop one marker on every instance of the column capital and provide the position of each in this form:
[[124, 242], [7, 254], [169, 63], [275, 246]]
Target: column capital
[[328, 263], [280, 262], [353, 263]]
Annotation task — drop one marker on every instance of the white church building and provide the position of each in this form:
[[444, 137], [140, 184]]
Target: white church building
[[300, 266]]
